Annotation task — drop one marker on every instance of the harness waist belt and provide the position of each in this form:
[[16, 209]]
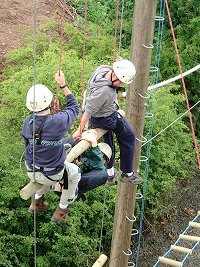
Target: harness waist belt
[[48, 169]]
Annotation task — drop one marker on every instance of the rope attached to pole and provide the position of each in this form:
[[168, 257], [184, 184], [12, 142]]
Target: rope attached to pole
[[183, 83]]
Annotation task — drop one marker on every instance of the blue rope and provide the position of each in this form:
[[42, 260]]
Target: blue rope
[[158, 48], [193, 247]]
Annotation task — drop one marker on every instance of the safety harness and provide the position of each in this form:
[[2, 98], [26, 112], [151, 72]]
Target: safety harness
[[38, 142]]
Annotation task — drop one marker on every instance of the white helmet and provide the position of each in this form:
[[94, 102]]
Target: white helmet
[[105, 149], [42, 96], [124, 70]]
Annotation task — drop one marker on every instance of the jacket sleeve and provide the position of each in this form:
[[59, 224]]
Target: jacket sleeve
[[67, 116]]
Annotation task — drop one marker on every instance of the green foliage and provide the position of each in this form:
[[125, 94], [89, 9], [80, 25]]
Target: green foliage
[[166, 158], [172, 156]]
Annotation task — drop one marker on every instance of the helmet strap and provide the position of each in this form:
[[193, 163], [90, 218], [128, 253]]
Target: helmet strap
[[112, 79], [49, 107]]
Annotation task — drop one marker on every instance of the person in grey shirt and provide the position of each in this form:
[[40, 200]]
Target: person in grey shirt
[[101, 111]]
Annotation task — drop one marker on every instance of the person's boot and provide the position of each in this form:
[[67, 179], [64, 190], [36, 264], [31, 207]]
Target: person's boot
[[38, 205], [111, 179], [60, 215], [134, 178]]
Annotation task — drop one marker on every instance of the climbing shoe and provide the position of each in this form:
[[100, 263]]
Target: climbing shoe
[[60, 215], [111, 179], [134, 178], [38, 205]]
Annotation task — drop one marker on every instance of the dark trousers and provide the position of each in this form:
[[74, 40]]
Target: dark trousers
[[125, 135], [91, 180]]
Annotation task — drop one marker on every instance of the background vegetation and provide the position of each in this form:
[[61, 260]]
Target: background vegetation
[[172, 156]]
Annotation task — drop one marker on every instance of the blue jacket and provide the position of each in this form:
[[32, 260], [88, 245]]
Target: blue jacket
[[50, 153]]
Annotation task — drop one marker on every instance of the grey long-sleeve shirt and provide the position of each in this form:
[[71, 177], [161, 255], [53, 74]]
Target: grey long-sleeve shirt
[[102, 99]]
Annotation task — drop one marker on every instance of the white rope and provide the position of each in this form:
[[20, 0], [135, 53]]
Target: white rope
[[102, 221], [170, 124], [155, 86], [34, 65]]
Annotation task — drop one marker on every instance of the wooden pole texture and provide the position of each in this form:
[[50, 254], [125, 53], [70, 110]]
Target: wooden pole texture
[[142, 39]]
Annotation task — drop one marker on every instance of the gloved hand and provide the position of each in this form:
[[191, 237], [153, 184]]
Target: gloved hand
[[90, 136]]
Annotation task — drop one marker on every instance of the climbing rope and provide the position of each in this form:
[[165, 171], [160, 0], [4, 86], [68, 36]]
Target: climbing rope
[[183, 83], [121, 27], [56, 102], [34, 82], [102, 221], [116, 29], [83, 58], [158, 49]]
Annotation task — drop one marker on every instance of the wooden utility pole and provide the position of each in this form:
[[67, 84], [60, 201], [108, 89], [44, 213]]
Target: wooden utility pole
[[142, 39]]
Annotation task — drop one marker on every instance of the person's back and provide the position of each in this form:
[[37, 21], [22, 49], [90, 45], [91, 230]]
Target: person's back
[[50, 152], [45, 154]]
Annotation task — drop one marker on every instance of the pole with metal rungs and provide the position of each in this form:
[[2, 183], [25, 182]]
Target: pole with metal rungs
[[141, 49]]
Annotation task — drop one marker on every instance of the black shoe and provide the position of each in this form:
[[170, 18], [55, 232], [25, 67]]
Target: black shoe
[[134, 178], [111, 179]]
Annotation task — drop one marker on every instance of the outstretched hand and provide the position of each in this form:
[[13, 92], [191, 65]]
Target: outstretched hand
[[77, 135]]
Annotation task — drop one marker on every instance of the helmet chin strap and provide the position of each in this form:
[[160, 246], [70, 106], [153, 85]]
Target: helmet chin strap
[[112, 79], [49, 107]]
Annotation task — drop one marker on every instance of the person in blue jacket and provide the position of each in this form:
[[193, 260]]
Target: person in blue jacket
[[101, 111], [45, 153]]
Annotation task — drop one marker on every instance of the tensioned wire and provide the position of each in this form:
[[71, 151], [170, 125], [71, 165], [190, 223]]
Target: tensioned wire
[[158, 49], [185, 113]]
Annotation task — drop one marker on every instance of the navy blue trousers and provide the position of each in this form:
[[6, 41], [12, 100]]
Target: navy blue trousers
[[91, 180], [118, 125]]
